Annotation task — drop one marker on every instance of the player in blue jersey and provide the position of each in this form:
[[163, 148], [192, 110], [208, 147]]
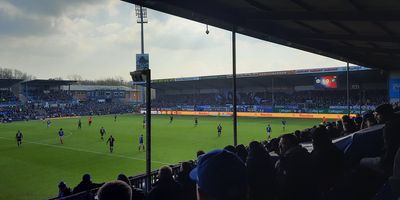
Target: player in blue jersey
[[283, 124], [61, 135], [141, 142], [111, 141], [219, 129], [19, 137], [269, 130], [48, 123]]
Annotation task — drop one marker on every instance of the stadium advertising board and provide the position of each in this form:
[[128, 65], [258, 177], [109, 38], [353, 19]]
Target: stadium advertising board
[[332, 69], [188, 79], [256, 114]]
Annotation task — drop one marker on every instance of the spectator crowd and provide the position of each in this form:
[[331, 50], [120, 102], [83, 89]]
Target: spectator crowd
[[297, 100]]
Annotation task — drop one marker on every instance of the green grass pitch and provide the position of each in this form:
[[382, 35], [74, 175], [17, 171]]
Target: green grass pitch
[[33, 170]]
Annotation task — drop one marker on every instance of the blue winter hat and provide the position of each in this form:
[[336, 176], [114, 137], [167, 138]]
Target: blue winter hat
[[221, 174]]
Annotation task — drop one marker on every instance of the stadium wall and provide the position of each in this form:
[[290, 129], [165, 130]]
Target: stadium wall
[[252, 114]]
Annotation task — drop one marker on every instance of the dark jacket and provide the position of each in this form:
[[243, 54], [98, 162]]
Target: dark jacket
[[84, 186], [166, 189], [328, 165], [261, 176], [294, 175], [188, 186]]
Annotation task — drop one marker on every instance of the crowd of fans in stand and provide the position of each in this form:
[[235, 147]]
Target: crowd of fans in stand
[[50, 96], [282, 169], [313, 99], [7, 96], [30, 112]]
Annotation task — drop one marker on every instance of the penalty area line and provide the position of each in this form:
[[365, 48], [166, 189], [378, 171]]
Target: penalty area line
[[88, 151]]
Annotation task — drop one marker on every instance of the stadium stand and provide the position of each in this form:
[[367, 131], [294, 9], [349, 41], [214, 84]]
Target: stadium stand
[[295, 91], [39, 99]]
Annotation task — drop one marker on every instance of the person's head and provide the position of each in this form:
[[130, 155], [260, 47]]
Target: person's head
[[199, 153], [230, 148], [368, 119], [320, 138], [220, 175], [383, 113], [287, 142], [256, 148], [165, 173], [62, 186], [60, 129], [115, 190], [273, 145], [186, 167], [124, 178], [241, 151], [349, 124], [86, 178]]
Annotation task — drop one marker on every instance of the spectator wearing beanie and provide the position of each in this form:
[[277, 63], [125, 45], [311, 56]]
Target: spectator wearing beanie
[[220, 175]]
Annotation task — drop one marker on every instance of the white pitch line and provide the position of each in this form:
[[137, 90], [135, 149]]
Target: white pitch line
[[88, 151]]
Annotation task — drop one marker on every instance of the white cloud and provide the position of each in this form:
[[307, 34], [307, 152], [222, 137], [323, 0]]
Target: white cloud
[[9, 9], [99, 38]]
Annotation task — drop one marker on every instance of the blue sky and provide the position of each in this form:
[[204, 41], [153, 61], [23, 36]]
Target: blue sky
[[99, 39]]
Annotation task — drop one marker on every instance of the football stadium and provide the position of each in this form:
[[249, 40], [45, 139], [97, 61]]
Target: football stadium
[[321, 133]]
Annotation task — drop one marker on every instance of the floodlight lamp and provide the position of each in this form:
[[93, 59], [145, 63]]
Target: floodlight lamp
[[141, 15]]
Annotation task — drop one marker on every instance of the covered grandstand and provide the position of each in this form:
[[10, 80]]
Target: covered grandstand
[[281, 91], [102, 93], [8, 95], [41, 91]]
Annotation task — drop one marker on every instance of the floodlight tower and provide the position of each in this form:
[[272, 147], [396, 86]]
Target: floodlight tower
[[141, 14], [142, 74]]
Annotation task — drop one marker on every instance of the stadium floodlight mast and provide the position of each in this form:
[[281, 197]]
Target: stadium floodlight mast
[[141, 14], [141, 75]]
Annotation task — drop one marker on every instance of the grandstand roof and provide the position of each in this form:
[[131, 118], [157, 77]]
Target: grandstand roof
[[365, 32], [281, 78], [43, 82], [97, 87], [7, 83]]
